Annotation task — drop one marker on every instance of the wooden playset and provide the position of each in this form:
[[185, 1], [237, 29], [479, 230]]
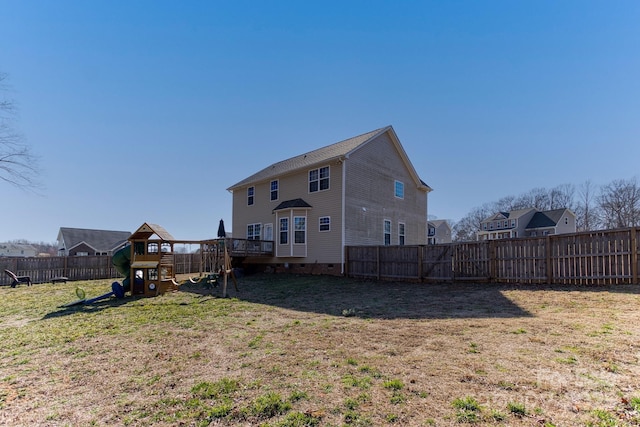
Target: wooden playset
[[148, 265], [151, 262]]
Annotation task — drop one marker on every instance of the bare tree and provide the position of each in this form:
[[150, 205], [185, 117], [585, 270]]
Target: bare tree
[[468, 226], [620, 204], [561, 197], [17, 163], [536, 198], [586, 210]]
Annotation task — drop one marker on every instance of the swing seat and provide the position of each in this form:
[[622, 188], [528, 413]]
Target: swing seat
[[212, 280]]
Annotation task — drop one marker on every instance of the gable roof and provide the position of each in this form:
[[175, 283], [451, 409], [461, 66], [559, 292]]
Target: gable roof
[[331, 152], [100, 240], [147, 230], [437, 222], [515, 214], [546, 218]]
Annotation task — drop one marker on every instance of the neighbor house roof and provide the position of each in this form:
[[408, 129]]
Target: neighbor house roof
[[546, 218], [509, 215], [100, 240], [335, 151], [437, 222]]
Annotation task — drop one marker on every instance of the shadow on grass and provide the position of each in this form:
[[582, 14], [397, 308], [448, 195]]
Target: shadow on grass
[[89, 308], [340, 296]]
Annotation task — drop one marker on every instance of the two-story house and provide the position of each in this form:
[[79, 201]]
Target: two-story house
[[438, 231], [528, 222], [360, 191]]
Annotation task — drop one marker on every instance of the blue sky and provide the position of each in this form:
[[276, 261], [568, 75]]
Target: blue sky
[[146, 111]]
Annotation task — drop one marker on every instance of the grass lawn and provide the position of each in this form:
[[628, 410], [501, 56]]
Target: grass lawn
[[322, 351]]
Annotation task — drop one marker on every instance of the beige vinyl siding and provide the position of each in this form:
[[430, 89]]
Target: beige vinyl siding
[[322, 247], [370, 199]]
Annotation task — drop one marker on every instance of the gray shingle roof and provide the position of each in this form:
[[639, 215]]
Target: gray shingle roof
[[510, 215], [311, 158], [546, 218], [100, 240]]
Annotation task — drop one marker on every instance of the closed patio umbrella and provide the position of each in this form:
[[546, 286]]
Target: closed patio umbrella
[[221, 232]]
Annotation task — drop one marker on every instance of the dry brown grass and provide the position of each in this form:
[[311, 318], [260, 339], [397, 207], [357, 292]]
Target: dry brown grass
[[322, 351]]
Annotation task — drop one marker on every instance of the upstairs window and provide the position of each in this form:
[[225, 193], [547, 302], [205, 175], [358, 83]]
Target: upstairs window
[[319, 179], [399, 189], [250, 194], [274, 190]]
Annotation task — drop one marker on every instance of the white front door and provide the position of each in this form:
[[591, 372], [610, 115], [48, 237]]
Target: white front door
[[268, 232]]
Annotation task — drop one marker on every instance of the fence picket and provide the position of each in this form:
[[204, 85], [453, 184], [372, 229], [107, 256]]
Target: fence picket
[[608, 257]]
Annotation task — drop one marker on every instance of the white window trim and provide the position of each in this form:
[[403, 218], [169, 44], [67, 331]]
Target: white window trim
[[259, 224], [296, 231], [328, 178], [403, 235], [320, 224], [384, 231], [395, 189], [277, 190], [252, 196], [287, 231]]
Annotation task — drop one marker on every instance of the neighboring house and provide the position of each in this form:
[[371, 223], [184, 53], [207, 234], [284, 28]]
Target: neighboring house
[[360, 191], [557, 221], [438, 231], [17, 250], [83, 242], [527, 223]]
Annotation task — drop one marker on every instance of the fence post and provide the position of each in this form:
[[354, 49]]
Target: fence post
[[547, 255], [634, 255], [345, 268], [378, 262], [420, 257], [492, 261]]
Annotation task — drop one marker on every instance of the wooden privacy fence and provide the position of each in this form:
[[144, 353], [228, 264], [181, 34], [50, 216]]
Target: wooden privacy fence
[[608, 257], [42, 270]]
